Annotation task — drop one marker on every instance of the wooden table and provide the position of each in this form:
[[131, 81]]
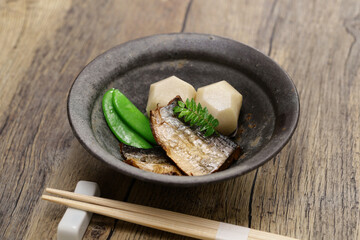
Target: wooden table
[[310, 190]]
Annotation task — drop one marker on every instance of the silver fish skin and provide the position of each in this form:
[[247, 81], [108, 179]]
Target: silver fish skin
[[190, 150], [151, 160]]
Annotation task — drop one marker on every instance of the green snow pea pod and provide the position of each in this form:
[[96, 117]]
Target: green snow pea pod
[[132, 116], [123, 132]]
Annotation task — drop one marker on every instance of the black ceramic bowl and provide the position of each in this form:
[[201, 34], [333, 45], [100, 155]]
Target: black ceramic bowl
[[268, 117]]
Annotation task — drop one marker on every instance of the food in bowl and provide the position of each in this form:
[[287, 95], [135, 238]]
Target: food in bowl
[[123, 132], [163, 91], [191, 150], [186, 131], [223, 102], [152, 160]]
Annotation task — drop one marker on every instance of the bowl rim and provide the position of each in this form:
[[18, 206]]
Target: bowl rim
[[80, 130]]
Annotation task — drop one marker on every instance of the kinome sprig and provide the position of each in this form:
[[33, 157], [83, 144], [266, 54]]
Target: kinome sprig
[[196, 115]]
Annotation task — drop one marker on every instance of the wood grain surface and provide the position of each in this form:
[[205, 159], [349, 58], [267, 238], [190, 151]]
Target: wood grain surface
[[310, 190]]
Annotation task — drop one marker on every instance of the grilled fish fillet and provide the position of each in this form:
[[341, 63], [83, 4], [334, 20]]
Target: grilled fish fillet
[[151, 160], [194, 154]]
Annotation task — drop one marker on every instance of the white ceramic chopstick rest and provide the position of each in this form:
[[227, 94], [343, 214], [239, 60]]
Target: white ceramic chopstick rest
[[75, 222], [228, 231]]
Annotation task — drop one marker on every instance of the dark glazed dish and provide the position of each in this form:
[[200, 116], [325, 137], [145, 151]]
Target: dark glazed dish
[[267, 120]]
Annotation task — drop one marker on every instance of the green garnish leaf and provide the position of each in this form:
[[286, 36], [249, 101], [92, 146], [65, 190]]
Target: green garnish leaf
[[187, 118], [187, 103], [177, 109], [202, 122], [194, 120], [183, 113], [181, 104], [209, 132], [199, 108], [196, 115], [215, 122], [203, 128]]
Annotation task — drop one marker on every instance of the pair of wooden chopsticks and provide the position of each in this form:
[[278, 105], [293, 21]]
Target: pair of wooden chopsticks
[[173, 222]]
